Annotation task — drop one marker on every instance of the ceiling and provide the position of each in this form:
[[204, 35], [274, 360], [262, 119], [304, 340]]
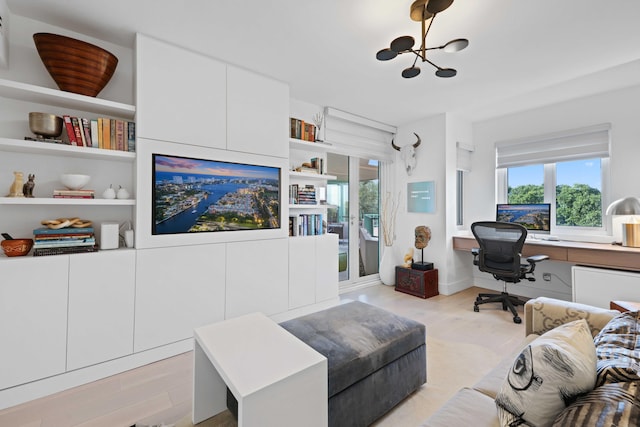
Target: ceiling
[[522, 54]]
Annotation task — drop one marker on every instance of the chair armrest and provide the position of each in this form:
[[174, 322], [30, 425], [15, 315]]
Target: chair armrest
[[537, 258], [543, 314]]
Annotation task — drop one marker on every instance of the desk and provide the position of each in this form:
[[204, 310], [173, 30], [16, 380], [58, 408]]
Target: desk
[[581, 253], [277, 379]]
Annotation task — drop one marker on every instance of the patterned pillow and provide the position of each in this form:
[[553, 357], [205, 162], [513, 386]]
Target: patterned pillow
[[608, 405], [618, 349], [548, 375]]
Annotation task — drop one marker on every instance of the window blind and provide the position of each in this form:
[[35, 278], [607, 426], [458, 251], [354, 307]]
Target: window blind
[[584, 143], [357, 136], [463, 157]]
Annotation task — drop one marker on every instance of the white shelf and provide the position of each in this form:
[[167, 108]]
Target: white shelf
[[43, 95], [49, 148], [302, 206], [65, 202], [319, 147], [316, 176]]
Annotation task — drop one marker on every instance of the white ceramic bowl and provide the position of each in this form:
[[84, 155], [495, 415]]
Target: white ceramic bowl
[[74, 181]]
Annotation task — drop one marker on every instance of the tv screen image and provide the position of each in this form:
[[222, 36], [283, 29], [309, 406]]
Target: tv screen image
[[197, 195], [535, 217]]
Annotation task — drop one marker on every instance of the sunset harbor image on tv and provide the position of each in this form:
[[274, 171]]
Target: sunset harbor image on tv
[[198, 195]]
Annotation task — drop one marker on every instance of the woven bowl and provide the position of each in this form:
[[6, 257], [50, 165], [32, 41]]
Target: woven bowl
[[16, 247], [75, 66]]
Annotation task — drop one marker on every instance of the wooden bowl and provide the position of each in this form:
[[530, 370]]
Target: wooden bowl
[[16, 247], [75, 66]]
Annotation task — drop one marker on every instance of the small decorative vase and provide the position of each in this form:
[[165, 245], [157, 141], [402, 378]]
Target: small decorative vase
[[387, 269]]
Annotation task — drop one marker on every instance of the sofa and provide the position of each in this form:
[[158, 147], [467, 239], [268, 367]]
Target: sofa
[[611, 395]]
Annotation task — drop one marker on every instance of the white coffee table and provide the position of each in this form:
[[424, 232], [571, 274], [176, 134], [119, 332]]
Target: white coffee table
[[277, 379]]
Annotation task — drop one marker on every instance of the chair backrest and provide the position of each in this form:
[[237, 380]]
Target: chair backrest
[[500, 248]]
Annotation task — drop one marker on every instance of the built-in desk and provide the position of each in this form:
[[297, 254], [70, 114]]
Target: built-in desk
[[580, 253]]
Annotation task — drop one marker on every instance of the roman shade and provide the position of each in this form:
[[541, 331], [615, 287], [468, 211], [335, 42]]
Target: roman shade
[[584, 143]]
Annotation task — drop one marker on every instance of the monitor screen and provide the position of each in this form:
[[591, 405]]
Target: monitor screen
[[535, 217], [192, 195]]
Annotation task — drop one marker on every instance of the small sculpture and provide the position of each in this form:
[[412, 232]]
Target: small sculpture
[[16, 188], [423, 235], [408, 258], [27, 188]]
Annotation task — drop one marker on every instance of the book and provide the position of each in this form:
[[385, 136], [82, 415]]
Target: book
[[112, 141], [64, 250], [106, 134], [86, 129], [66, 236], [63, 243], [71, 134], [100, 133], [65, 230], [120, 135], [67, 192], [78, 132], [94, 134], [131, 137]]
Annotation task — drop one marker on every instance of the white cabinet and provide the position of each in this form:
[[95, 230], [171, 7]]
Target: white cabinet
[[257, 108], [313, 269], [33, 318], [326, 267], [302, 271], [257, 277], [101, 303], [599, 286], [181, 95], [177, 290]]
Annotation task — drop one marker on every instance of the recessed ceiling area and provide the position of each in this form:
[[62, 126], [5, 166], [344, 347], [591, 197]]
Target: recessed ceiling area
[[521, 54]]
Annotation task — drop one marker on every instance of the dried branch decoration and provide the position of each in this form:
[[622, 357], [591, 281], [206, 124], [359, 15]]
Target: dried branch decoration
[[389, 210]]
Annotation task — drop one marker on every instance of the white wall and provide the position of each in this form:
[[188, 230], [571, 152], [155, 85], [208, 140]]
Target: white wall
[[617, 107]]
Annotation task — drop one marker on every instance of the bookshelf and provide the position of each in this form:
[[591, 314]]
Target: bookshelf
[[47, 160]]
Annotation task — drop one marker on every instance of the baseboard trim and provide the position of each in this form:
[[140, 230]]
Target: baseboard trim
[[34, 390]]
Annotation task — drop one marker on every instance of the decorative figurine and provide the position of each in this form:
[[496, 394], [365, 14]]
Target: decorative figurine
[[109, 193], [408, 259], [16, 188], [423, 235], [27, 188]]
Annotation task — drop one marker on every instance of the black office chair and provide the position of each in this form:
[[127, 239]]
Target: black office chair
[[499, 254]]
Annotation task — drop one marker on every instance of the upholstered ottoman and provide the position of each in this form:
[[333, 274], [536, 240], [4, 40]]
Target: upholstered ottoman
[[375, 358]]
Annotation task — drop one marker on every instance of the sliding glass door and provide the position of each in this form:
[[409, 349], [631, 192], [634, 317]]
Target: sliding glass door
[[353, 214]]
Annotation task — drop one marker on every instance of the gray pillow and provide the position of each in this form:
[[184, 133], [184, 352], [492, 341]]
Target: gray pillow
[[548, 375]]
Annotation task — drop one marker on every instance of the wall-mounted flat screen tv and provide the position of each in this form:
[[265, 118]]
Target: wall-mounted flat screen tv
[[535, 217], [197, 195]]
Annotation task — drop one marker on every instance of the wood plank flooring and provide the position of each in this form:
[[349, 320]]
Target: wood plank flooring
[[462, 346]]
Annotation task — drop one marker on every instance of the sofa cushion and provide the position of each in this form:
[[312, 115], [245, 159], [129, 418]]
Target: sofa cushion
[[491, 383], [547, 375], [609, 405], [618, 349], [357, 339]]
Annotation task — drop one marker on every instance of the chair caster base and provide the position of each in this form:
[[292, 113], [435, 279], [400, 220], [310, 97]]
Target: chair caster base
[[476, 308], [517, 319]]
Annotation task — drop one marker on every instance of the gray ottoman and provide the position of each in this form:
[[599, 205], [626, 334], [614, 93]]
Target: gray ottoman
[[375, 358]]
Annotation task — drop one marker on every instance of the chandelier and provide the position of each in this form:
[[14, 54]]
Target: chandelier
[[423, 11]]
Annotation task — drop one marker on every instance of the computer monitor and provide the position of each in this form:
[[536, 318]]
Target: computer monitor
[[535, 217]]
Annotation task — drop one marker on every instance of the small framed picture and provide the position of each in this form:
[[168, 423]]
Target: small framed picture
[[421, 197]]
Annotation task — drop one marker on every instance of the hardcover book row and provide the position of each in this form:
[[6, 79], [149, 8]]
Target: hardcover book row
[[105, 133], [306, 225]]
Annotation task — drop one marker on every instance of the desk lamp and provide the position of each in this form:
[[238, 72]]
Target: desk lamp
[[630, 231]]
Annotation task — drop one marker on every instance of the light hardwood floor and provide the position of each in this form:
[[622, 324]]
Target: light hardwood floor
[[462, 346]]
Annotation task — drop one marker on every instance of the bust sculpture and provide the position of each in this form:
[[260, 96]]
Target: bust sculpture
[[423, 235]]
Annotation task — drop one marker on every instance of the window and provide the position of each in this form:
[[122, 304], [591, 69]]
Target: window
[[568, 170]]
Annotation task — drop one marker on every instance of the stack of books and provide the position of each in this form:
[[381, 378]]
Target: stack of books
[[73, 194], [103, 132], [48, 241], [299, 195]]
